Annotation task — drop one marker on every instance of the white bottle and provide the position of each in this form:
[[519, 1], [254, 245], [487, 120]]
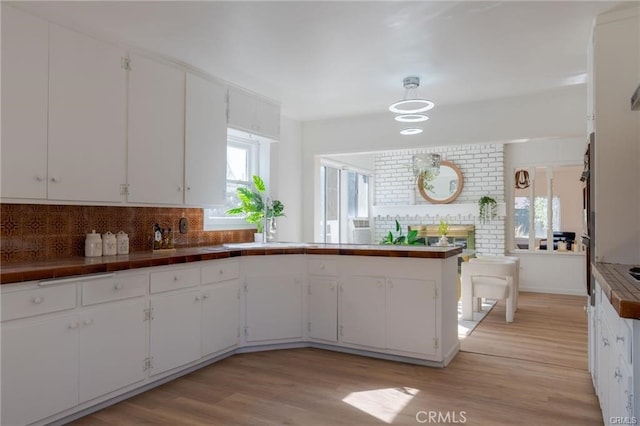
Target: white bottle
[[93, 245], [122, 241], [109, 247]]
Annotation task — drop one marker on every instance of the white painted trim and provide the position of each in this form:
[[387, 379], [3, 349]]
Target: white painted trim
[[459, 209]]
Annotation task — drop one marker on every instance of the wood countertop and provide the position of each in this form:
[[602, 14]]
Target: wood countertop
[[622, 291], [41, 270]]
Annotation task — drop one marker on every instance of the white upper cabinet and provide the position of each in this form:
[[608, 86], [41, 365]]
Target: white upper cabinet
[[24, 105], [87, 119], [155, 161], [253, 115], [205, 142]]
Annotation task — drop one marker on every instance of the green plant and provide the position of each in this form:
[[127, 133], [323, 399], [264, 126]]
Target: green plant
[[252, 204], [488, 208], [443, 228], [427, 177], [411, 239]]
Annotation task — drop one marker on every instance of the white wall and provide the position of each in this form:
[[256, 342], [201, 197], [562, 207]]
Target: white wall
[[286, 170]]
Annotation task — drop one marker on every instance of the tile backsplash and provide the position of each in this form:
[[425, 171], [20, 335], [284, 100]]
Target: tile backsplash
[[46, 232]]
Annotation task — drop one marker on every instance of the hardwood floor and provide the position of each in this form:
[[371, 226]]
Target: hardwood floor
[[530, 372]]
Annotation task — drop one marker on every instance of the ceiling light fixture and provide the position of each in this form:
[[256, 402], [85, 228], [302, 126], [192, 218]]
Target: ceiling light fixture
[[411, 118], [411, 107], [411, 131]]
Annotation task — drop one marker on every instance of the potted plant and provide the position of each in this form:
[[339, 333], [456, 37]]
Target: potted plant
[[443, 230], [411, 239], [252, 206], [488, 209]]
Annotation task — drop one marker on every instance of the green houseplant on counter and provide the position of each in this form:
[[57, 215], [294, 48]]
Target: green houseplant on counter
[[411, 239], [252, 206], [443, 230]]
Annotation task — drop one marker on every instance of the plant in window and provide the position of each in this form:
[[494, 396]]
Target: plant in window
[[488, 208], [252, 204], [411, 239]]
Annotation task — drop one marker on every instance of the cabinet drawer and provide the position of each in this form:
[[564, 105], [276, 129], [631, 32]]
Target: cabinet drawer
[[37, 301], [113, 288], [174, 279], [322, 267], [221, 271]]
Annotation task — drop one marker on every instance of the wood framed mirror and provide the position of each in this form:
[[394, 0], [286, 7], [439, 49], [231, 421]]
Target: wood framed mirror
[[443, 187]]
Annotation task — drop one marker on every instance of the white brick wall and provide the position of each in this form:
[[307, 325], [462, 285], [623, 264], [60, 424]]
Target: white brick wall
[[482, 168]]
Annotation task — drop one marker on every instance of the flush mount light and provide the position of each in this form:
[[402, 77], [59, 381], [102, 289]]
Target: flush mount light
[[411, 104], [411, 118], [411, 131]]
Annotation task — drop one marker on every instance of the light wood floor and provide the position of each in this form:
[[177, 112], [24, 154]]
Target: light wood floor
[[530, 372]]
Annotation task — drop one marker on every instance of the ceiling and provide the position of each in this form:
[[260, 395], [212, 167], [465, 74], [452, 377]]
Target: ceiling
[[336, 58]]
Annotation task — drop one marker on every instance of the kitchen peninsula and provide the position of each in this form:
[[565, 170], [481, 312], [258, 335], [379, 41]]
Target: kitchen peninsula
[[83, 333]]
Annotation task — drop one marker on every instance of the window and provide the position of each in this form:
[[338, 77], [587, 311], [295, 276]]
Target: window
[[243, 155], [344, 196], [533, 211]]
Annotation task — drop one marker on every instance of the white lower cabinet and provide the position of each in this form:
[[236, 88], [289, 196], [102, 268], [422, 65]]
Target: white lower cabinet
[[322, 308], [70, 344], [273, 298], [411, 315], [39, 368], [53, 362], [112, 347], [197, 321], [613, 369], [362, 311]]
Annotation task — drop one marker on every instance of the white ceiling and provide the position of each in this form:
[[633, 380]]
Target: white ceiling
[[327, 59]]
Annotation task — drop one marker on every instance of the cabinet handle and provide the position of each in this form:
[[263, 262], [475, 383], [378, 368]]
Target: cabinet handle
[[221, 271], [179, 189], [39, 178], [620, 339], [118, 286], [38, 300], [55, 180], [175, 278], [73, 325], [605, 342], [198, 298], [205, 296], [188, 188]]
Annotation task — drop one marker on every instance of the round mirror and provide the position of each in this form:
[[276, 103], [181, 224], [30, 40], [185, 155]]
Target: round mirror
[[441, 187]]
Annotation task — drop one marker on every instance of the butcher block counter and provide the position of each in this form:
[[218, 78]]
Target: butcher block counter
[[622, 290], [60, 268]]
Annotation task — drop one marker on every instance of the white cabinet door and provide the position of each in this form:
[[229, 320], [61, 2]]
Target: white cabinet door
[[87, 118], [253, 115], [411, 315], [156, 132], [205, 142], [112, 347], [25, 44], [274, 307], [175, 330], [362, 310], [39, 369], [220, 316], [322, 306]]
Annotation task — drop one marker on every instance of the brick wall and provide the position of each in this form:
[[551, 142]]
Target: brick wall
[[482, 168]]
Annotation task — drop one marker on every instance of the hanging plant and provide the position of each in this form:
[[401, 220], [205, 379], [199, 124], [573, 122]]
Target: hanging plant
[[488, 209]]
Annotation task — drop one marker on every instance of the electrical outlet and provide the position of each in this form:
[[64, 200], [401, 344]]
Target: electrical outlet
[[183, 225]]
